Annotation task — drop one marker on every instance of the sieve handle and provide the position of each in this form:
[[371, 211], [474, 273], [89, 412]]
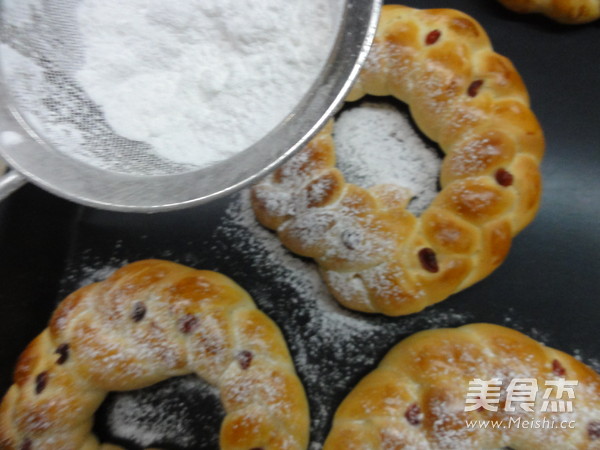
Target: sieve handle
[[10, 182]]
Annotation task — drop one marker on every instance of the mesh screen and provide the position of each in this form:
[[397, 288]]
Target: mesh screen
[[41, 49]]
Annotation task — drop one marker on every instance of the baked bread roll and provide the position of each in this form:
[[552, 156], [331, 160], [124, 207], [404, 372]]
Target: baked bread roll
[[374, 254], [417, 396], [564, 11], [149, 321]]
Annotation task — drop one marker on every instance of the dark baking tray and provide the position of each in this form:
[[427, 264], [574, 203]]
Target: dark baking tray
[[548, 287]]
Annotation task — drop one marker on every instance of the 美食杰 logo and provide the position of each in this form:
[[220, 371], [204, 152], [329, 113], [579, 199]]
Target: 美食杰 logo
[[521, 394]]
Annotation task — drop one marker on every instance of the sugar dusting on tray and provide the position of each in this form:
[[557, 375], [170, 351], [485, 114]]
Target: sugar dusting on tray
[[164, 413], [377, 144], [317, 327], [330, 335], [322, 336], [201, 80]]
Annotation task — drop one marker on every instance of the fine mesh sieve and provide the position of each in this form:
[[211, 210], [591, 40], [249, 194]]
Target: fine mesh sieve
[[53, 134]]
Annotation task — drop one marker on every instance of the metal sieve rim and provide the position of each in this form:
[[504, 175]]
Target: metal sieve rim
[[35, 159]]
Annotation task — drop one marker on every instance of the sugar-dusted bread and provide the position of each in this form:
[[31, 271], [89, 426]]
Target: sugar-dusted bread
[[149, 321], [416, 398], [375, 255], [565, 11]]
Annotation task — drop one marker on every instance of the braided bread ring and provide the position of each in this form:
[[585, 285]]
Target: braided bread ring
[[564, 11], [416, 397], [149, 321], [375, 255]]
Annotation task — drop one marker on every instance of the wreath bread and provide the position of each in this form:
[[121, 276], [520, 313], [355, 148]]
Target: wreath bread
[[564, 11], [376, 256], [152, 320], [416, 398]]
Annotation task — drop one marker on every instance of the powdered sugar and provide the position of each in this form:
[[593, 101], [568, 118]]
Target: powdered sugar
[[323, 337], [332, 347], [377, 144], [201, 80], [472, 157], [265, 250], [10, 138], [93, 275], [165, 413], [594, 363]]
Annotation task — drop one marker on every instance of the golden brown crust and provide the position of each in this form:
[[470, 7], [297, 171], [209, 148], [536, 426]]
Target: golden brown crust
[[375, 255], [564, 11], [416, 397], [149, 321]]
